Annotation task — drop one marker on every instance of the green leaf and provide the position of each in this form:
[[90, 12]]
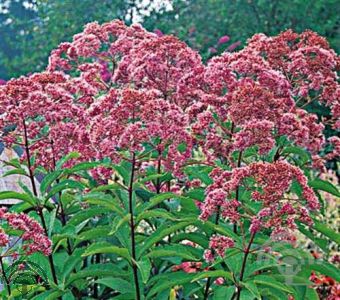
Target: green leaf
[[156, 213], [311, 294], [144, 194], [271, 282], [108, 187], [98, 232], [223, 293], [86, 214], [217, 273], [84, 166], [168, 280], [62, 161], [322, 243], [303, 154], [48, 180], [159, 199], [156, 200], [323, 267], [102, 199], [48, 295], [118, 222], [15, 172], [195, 237], [259, 265], [210, 227], [173, 251], [252, 288], [123, 171], [18, 196], [323, 185], [107, 248], [53, 215], [65, 185], [102, 270], [144, 266], [324, 229], [160, 233], [71, 262], [117, 284]]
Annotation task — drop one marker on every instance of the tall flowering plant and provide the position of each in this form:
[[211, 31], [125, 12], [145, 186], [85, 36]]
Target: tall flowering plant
[[163, 177]]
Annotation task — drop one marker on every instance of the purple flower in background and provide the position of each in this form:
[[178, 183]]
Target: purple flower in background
[[223, 39], [2, 81], [212, 50], [158, 32], [233, 46]]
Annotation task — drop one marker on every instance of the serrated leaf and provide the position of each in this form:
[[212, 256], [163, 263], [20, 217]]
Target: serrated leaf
[[252, 288], [107, 248], [53, 215], [117, 284], [118, 222], [156, 213], [98, 232], [144, 266], [105, 200], [271, 282], [86, 214], [102, 270], [173, 251], [160, 233]]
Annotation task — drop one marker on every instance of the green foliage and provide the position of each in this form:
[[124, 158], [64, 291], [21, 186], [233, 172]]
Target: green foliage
[[92, 249]]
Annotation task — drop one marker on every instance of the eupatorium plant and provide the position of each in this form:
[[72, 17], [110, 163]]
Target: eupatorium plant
[[164, 177]]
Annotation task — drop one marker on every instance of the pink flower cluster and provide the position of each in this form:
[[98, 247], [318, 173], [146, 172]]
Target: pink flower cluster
[[133, 91], [116, 87], [270, 185], [218, 245], [33, 235], [188, 267], [263, 92]]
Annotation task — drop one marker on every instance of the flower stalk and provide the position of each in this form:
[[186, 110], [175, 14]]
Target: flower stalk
[[132, 228], [35, 193]]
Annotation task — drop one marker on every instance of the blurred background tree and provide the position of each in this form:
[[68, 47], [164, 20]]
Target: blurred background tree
[[30, 29], [202, 22]]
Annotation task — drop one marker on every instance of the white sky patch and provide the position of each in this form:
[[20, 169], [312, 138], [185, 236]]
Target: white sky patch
[[143, 8]]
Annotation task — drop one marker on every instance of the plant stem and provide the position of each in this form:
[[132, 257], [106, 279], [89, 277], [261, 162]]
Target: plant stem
[[159, 166], [239, 160], [208, 284], [8, 287], [35, 192], [244, 262], [60, 204], [132, 228]]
